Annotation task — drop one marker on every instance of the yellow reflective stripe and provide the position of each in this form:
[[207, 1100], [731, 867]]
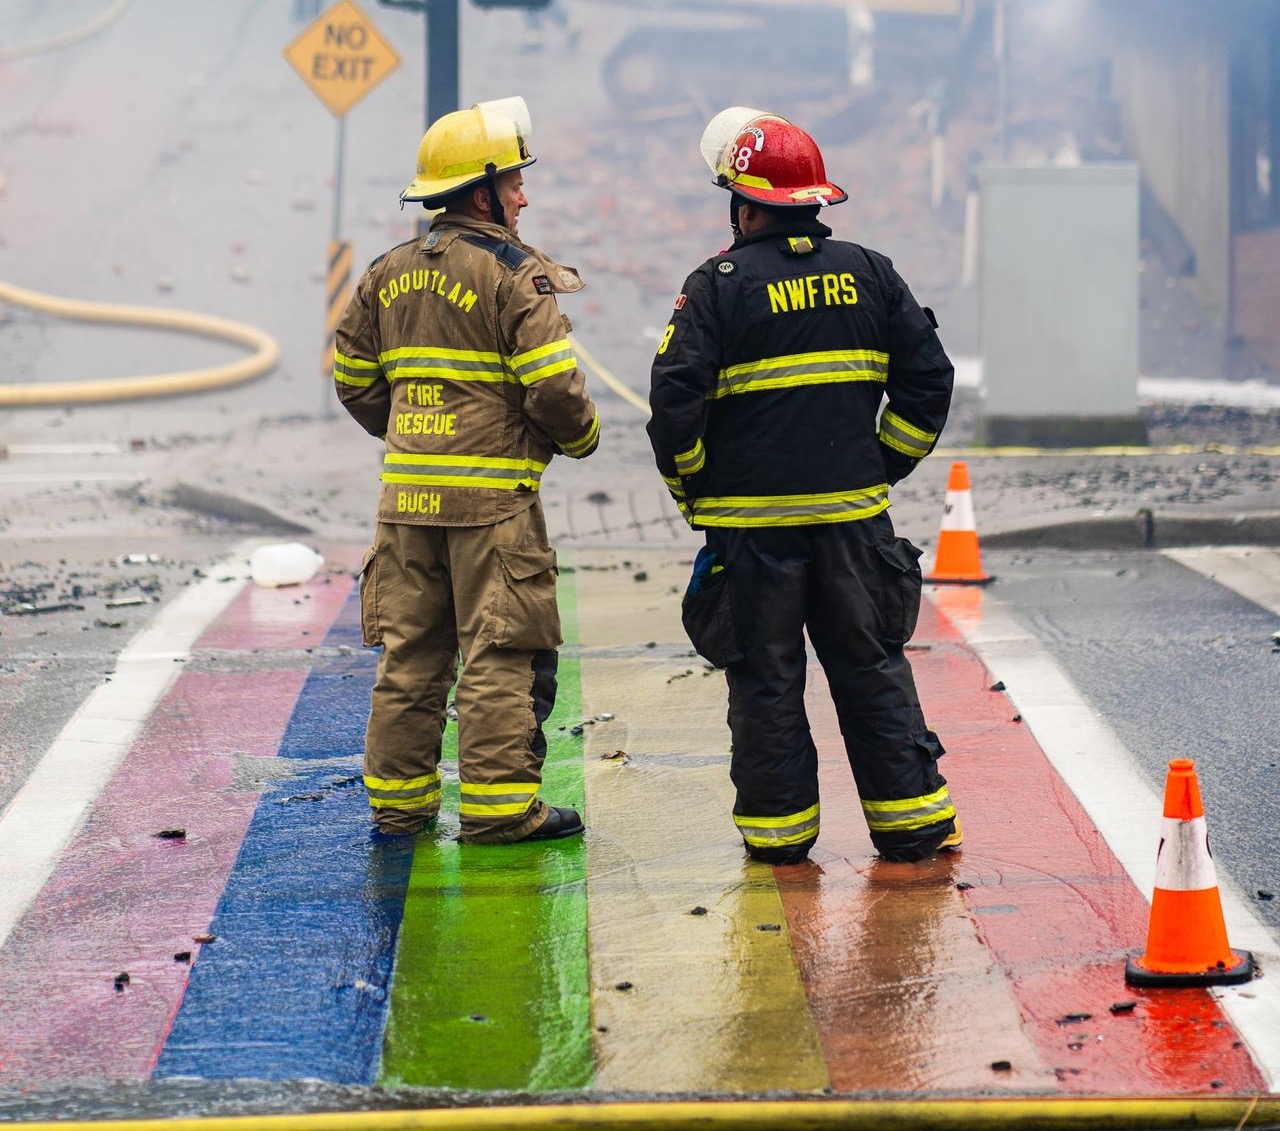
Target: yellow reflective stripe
[[791, 510], [514, 809], [767, 363], [543, 362], [444, 352], [820, 367], [403, 793], [501, 800], [471, 479], [585, 443], [461, 471], [675, 485], [496, 789], [450, 373], [480, 165], [905, 437], [467, 461], [439, 361], [910, 812], [764, 832], [692, 461], [562, 365], [750, 181], [401, 784], [355, 370]]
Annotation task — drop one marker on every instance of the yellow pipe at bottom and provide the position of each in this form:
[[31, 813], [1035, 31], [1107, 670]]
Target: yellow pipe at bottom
[[1085, 1113]]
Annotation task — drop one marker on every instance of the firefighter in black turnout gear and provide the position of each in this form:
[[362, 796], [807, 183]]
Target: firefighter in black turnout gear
[[768, 430]]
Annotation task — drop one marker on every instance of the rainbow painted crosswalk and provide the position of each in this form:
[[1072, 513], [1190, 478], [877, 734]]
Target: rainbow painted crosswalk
[[222, 912]]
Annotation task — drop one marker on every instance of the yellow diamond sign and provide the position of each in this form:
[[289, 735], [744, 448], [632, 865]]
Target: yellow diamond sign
[[341, 56]]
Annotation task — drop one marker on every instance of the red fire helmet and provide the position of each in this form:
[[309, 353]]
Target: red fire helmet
[[764, 158]]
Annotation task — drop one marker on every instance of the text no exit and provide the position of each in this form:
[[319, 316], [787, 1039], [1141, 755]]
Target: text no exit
[[341, 56]]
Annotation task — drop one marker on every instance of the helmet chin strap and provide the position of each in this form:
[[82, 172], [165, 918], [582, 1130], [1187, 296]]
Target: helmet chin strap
[[734, 204], [495, 205]]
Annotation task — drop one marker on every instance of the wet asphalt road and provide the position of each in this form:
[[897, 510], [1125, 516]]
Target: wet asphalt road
[[1180, 668]]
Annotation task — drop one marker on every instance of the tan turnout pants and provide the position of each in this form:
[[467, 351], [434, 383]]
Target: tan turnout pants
[[485, 596]]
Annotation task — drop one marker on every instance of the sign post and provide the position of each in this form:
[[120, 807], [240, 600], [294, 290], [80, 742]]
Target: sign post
[[341, 56]]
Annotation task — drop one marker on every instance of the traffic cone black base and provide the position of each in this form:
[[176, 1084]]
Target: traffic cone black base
[[1242, 971]]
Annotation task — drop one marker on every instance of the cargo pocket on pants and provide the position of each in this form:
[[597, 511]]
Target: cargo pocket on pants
[[526, 615], [903, 584], [707, 613], [370, 630]]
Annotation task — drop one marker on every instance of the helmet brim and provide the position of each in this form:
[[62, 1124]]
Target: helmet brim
[[823, 194]]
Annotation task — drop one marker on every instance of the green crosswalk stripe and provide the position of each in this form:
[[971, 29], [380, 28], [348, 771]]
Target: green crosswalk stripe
[[491, 987]]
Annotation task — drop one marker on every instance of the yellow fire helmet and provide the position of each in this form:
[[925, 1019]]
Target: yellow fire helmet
[[465, 147]]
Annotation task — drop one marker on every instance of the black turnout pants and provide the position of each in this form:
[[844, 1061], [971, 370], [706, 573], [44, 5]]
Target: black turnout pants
[[855, 587]]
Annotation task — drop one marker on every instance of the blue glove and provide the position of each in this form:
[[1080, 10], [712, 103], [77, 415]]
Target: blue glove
[[704, 565]]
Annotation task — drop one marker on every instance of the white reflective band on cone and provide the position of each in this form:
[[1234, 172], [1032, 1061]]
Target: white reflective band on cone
[[957, 511], [1183, 862]]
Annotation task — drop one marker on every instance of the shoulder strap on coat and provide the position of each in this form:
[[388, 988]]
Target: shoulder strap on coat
[[511, 256]]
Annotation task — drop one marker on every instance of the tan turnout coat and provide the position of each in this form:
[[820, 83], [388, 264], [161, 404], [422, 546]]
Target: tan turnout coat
[[454, 350]]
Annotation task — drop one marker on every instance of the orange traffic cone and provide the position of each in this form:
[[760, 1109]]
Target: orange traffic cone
[[1187, 937], [958, 560]]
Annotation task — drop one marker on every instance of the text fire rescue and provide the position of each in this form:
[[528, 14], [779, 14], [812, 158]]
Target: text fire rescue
[[423, 424]]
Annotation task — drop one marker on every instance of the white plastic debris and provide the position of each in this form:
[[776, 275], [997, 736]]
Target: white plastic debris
[[284, 563]]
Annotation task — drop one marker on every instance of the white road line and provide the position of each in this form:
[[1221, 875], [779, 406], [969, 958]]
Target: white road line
[[1252, 572], [56, 798], [1107, 782]]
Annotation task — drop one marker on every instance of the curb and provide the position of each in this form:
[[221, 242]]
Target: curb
[[1143, 530]]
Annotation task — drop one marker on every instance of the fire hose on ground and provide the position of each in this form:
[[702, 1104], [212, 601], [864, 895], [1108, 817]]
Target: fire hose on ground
[[266, 352]]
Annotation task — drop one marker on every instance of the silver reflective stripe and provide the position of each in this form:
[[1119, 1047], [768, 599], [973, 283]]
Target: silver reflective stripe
[[354, 370], [819, 368], [902, 436], [584, 442], [407, 793], [909, 813], [692, 461], [460, 471], [519, 796], [791, 510], [513, 800], [545, 361], [765, 832], [460, 366]]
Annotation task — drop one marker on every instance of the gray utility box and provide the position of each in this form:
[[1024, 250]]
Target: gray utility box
[[1059, 306]]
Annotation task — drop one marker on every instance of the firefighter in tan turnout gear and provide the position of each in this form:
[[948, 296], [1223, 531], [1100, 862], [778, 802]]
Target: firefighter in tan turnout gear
[[454, 351], [767, 427]]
